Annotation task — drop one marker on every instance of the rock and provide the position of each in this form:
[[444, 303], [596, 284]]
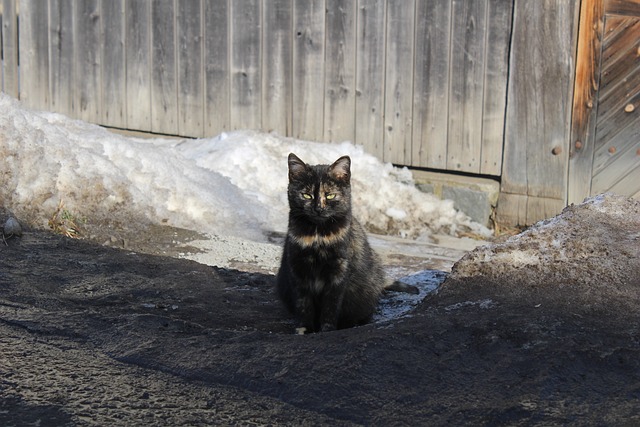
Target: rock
[[12, 227]]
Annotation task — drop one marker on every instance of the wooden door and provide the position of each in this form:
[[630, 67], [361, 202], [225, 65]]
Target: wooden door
[[605, 150]]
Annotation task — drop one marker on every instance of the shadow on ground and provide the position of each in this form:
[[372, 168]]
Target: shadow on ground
[[94, 335]]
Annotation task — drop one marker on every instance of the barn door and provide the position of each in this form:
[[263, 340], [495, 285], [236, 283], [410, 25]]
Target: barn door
[[605, 150]]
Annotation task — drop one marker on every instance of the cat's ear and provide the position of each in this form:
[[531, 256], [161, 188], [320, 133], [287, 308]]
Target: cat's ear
[[296, 166], [341, 169]]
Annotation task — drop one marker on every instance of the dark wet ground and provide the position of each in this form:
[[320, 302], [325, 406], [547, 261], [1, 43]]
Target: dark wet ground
[[91, 335]]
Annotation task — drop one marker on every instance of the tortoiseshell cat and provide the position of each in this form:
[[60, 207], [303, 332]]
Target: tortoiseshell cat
[[329, 277]]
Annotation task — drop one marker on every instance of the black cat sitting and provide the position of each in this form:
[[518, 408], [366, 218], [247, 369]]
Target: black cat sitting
[[329, 277]]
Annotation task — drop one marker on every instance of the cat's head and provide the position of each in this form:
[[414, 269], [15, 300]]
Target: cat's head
[[320, 192]]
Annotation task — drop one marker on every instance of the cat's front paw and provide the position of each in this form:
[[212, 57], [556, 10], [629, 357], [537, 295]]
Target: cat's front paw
[[301, 330]]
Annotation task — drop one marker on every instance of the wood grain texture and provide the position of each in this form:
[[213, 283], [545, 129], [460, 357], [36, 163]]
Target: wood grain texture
[[61, 54], [496, 70], [138, 64], [622, 7], [466, 85], [340, 71], [539, 99], [308, 69], [431, 84], [87, 44], [586, 85], [216, 66], [9, 30], [164, 76], [398, 107], [190, 68], [616, 162], [370, 41], [34, 54], [113, 64], [246, 61], [276, 66]]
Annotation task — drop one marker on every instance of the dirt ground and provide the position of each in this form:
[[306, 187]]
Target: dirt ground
[[93, 335]]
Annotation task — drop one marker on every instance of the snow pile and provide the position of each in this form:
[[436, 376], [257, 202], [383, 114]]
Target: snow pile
[[233, 184], [595, 241]]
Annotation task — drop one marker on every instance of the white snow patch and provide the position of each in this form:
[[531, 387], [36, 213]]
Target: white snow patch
[[398, 304], [230, 185]]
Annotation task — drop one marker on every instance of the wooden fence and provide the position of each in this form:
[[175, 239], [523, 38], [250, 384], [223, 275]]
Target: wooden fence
[[484, 87], [416, 82]]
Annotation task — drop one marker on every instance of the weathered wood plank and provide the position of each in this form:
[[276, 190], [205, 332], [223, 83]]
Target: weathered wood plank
[[431, 84], [61, 53], [87, 40], [626, 112], [520, 210], [539, 99], [113, 64], [623, 7], [611, 167], [10, 48], [138, 63], [34, 54], [498, 20], [398, 107], [583, 122], [340, 71], [164, 84], [539, 208], [276, 66], [190, 68], [629, 184], [308, 69], [466, 85], [620, 62], [626, 142], [511, 209], [216, 57], [370, 39], [246, 80]]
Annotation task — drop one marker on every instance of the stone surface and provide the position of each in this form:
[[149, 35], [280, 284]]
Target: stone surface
[[477, 197]]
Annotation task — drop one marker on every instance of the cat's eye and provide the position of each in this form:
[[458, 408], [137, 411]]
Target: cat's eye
[[307, 196], [330, 196]]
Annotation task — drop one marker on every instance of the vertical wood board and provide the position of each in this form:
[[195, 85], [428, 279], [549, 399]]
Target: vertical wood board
[[10, 48], [61, 54], [539, 99], [466, 85], [431, 84], [216, 66], [584, 113], [340, 71], [370, 42], [87, 45], [34, 54], [498, 34], [113, 64], [308, 69], [190, 68], [138, 64], [246, 79], [399, 68], [276, 66], [164, 84]]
